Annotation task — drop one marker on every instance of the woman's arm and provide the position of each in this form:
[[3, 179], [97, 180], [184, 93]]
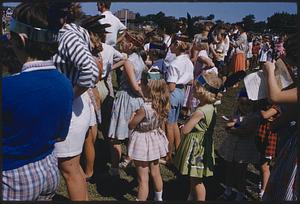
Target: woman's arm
[[206, 61], [192, 122], [117, 65], [137, 117], [275, 95], [268, 113]]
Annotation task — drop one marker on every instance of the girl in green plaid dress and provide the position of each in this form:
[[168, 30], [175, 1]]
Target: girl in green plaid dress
[[195, 155]]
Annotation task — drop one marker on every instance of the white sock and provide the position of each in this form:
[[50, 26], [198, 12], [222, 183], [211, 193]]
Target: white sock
[[228, 190], [158, 196], [261, 193], [190, 197]]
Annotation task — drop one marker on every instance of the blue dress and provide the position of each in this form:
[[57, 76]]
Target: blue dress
[[126, 102]]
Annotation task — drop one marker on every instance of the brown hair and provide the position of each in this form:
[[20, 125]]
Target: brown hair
[[204, 95], [96, 40], [36, 15]]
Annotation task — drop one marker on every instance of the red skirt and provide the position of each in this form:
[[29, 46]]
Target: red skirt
[[238, 62]]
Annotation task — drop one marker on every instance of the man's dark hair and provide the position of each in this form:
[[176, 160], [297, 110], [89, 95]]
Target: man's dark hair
[[107, 4]]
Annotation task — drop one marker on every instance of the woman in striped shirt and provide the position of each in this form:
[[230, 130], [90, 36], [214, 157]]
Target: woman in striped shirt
[[74, 59]]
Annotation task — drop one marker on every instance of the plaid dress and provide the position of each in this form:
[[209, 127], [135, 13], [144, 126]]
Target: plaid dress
[[266, 138]]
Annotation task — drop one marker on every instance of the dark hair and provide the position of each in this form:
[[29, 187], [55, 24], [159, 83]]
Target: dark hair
[[36, 15], [156, 54], [9, 60], [107, 4]]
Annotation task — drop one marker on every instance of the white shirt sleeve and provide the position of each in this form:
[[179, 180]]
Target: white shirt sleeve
[[122, 27], [172, 74], [117, 56]]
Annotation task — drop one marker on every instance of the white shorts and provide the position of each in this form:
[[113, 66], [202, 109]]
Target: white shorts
[[93, 120], [80, 122]]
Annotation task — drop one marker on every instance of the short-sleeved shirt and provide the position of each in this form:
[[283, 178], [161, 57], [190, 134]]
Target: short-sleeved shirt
[[181, 70], [109, 56], [114, 29]]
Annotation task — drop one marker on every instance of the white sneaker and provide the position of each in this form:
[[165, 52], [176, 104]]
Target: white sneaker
[[124, 163]]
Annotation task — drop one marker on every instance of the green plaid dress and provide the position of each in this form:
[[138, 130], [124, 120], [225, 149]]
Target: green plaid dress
[[195, 155]]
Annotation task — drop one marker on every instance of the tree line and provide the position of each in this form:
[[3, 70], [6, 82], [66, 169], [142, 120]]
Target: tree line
[[279, 23]]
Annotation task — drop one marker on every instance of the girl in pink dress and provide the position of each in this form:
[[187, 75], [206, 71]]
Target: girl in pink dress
[[147, 141]]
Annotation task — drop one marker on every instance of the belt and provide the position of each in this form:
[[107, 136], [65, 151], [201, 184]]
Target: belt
[[179, 86]]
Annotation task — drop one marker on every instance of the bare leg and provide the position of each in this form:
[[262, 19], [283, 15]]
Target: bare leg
[[265, 168], [170, 136], [142, 169], [71, 171], [198, 187], [89, 150], [176, 135], [116, 152], [156, 176]]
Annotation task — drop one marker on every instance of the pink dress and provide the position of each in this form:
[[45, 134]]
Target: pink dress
[[148, 142]]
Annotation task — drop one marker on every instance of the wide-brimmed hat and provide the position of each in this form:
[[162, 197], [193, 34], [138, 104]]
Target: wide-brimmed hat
[[92, 24]]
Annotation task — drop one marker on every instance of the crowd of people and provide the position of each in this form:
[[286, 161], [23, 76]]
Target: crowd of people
[[59, 93]]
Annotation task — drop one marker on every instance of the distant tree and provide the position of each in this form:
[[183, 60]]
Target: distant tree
[[249, 21], [259, 27], [210, 17], [282, 22], [219, 22]]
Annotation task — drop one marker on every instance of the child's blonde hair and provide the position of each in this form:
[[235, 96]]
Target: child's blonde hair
[[159, 94], [160, 98], [204, 95]]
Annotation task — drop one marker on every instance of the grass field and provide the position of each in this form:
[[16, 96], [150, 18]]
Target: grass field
[[176, 187]]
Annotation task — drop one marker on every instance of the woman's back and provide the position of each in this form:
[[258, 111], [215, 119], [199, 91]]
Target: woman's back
[[138, 65]]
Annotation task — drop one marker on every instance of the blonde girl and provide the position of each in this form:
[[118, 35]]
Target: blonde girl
[[148, 142], [195, 155], [129, 98]]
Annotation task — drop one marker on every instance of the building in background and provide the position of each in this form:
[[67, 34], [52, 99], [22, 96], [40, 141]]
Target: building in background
[[127, 17]]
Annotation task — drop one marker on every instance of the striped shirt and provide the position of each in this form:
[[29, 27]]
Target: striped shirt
[[74, 57]]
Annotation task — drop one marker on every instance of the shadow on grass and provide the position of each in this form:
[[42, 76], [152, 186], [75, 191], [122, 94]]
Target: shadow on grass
[[59, 197]]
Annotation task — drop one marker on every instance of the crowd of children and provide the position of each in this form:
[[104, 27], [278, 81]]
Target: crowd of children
[[164, 108]]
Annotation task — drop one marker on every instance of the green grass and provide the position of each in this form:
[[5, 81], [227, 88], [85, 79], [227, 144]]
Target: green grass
[[175, 187]]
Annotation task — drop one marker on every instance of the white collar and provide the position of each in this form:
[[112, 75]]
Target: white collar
[[38, 65]]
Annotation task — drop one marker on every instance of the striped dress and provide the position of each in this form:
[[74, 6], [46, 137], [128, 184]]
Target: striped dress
[[74, 57]]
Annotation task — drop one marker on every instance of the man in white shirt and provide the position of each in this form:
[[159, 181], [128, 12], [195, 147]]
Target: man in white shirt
[[116, 25]]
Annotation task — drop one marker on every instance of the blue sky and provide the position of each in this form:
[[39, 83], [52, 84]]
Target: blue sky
[[228, 12]]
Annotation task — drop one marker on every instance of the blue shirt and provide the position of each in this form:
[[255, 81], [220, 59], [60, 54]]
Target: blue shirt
[[37, 109]]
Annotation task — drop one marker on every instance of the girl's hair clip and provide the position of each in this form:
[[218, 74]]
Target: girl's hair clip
[[202, 81], [154, 74], [34, 33]]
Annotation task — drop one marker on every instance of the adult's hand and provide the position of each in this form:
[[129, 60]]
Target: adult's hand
[[269, 68]]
